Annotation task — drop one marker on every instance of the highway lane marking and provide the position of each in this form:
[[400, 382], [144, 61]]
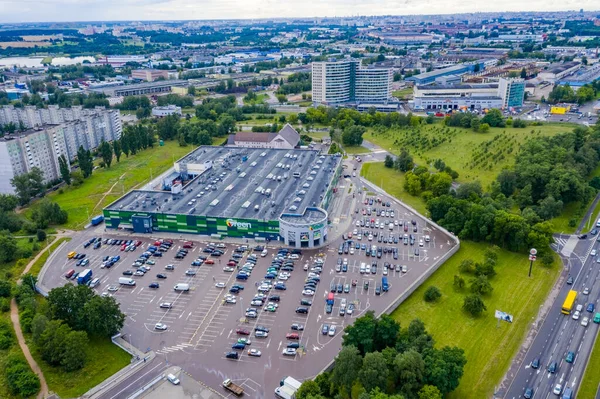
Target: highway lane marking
[[152, 369]]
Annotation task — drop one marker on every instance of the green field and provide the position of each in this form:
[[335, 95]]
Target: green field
[[591, 378], [103, 360], [260, 99], [356, 149], [405, 93], [475, 156], [93, 194], [392, 181], [489, 349]]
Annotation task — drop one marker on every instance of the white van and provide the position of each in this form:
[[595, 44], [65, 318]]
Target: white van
[[126, 281], [181, 287], [363, 268], [95, 282]]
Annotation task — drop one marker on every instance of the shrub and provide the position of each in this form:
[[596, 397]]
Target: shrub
[[467, 266], [6, 335], [20, 379], [4, 304], [474, 305], [432, 294]]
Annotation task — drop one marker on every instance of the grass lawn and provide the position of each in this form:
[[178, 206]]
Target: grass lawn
[[391, 181], [475, 156], [37, 266], [15, 268], [103, 360], [489, 350], [260, 99], [356, 149], [404, 93], [591, 378], [318, 136], [121, 177]]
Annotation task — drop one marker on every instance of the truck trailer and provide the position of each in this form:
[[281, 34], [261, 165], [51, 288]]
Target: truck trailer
[[287, 388], [233, 387], [84, 276], [96, 220]]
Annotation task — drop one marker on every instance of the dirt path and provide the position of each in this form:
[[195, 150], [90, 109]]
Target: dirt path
[[14, 316]]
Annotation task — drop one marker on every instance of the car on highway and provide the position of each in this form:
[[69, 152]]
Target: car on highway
[[166, 305], [557, 389], [528, 394], [254, 352], [576, 315], [570, 358], [590, 307], [585, 321], [553, 367], [535, 364], [586, 291], [570, 280], [160, 326]]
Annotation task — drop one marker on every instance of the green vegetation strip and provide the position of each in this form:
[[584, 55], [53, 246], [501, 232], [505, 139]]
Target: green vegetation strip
[[392, 181], [459, 147], [37, 266], [103, 360], [489, 349], [356, 149], [591, 378], [135, 171]]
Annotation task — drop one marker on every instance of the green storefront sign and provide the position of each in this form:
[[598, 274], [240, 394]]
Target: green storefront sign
[[204, 225]]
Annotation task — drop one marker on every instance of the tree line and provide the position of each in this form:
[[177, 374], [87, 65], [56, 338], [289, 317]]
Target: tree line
[[381, 360]]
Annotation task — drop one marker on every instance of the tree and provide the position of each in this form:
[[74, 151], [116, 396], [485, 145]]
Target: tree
[[474, 305], [103, 316], [8, 202], [65, 170], [494, 118], [67, 303], [404, 161], [389, 162], [48, 213], [459, 282], [41, 235], [361, 333], [430, 392], [444, 368], [117, 149], [481, 285], [86, 164], [386, 332], [410, 372], [348, 364], [483, 128], [9, 250], [281, 98], [308, 389], [432, 294], [20, 380], [38, 325], [523, 73], [352, 136], [374, 372], [192, 90], [106, 153], [28, 185], [167, 127], [73, 357]]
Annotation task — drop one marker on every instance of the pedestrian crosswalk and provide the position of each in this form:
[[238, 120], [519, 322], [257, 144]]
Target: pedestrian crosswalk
[[174, 348]]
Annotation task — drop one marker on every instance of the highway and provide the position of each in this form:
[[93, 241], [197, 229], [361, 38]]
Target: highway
[[560, 333]]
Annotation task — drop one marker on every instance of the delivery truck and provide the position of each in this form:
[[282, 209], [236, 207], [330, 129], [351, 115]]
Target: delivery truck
[[96, 220], [233, 387], [287, 388], [84, 277]]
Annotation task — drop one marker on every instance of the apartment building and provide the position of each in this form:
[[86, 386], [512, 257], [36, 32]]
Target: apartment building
[[343, 82], [52, 133]]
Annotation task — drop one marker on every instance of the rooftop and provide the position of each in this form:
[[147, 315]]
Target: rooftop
[[242, 183], [463, 86]]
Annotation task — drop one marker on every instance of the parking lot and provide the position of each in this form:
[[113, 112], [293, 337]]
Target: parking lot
[[201, 325]]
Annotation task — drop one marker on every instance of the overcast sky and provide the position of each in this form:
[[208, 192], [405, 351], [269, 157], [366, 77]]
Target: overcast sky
[[112, 10]]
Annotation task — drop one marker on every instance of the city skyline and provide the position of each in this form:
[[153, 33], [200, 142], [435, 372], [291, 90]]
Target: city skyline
[[86, 10]]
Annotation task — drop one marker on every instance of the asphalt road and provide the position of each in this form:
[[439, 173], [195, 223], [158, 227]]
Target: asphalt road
[[560, 333], [202, 327]]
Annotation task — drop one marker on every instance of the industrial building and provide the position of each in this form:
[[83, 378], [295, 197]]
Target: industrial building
[[287, 138], [460, 69], [505, 93], [556, 72], [149, 75], [343, 82], [52, 133], [261, 194], [167, 110], [159, 86]]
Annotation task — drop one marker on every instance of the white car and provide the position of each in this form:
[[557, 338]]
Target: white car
[[385, 271], [585, 321], [351, 250], [264, 253], [294, 256], [261, 334], [254, 352], [576, 315], [113, 288], [586, 291], [579, 308], [557, 389], [230, 300], [228, 269], [160, 326], [220, 285], [289, 352], [166, 305], [421, 243], [139, 273], [308, 292], [593, 253], [256, 302], [332, 331]]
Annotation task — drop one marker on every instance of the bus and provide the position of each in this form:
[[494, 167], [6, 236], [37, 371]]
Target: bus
[[569, 302]]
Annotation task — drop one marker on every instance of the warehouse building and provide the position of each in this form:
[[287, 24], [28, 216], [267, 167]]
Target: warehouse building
[[556, 72], [254, 193], [460, 69]]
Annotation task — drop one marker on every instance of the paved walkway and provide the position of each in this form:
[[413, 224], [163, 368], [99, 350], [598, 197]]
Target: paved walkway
[[14, 316]]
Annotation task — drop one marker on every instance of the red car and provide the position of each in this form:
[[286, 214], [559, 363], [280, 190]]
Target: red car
[[292, 336], [230, 263], [366, 202], [209, 262], [157, 243], [242, 331], [138, 243], [188, 244], [70, 273]]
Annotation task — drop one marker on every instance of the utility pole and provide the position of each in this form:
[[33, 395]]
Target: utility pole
[[532, 258]]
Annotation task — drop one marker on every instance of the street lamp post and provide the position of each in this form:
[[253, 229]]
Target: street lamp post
[[532, 257]]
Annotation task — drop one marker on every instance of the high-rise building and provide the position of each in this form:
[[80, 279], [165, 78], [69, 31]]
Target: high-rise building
[[50, 133], [512, 92], [342, 82]]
